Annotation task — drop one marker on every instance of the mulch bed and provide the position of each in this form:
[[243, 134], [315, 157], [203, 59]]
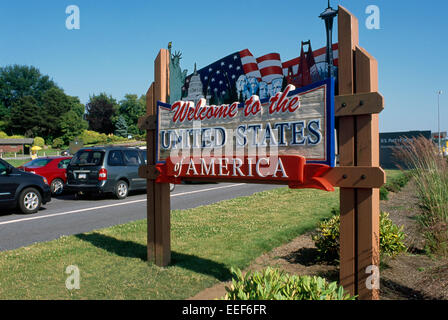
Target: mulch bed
[[410, 276]]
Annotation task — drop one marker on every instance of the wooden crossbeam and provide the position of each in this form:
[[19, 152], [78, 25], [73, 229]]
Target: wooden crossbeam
[[358, 104], [344, 177], [356, 177]]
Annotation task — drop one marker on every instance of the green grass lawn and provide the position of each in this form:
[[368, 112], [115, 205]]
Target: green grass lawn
[[206, 242], [49, 152], [391, 174], [17, 163]]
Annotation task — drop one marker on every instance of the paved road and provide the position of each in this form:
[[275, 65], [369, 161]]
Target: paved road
[[66, 216]]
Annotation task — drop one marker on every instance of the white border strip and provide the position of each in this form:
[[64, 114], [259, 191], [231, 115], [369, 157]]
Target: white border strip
[[114, 205]]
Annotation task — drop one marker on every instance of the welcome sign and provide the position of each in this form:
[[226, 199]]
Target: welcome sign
[[268, 139]]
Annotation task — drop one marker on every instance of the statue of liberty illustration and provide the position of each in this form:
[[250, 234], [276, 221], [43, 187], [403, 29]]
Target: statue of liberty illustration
[[177, 76]]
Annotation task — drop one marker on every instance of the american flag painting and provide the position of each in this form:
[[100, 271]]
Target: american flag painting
[[240, 75]]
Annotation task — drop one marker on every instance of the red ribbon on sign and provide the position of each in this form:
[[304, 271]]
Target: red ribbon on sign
[[292, 170]]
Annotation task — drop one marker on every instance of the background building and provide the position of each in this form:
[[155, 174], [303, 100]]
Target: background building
[[15, 145], [392, 140]]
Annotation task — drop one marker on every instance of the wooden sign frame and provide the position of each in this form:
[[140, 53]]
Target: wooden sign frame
[[358, 175]]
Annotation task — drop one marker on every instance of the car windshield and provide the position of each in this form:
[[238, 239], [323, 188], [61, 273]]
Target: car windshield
[[38, 163], [88, 158]]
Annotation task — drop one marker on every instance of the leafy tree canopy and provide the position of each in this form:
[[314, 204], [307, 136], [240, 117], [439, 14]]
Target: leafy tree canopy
[[32, 104], [101, 110], [18, 81], [121, 127], [72, 126], [131, 108], [25, 118]]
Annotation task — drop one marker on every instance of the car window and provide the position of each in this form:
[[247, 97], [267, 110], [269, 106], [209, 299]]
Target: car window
[[3, 168], [38, 163], [143, 153], [88, 158], [63, 163], [115, 158], [131, 158]]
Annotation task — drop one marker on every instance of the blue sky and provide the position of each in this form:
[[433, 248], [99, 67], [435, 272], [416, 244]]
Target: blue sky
[[115, 47]]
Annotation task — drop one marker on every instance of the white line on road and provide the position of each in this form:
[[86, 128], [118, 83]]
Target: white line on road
[[115, 204]]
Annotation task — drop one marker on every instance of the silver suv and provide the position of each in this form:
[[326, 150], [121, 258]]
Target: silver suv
[[106, 170]]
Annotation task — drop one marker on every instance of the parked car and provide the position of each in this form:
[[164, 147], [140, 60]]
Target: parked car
[[22, 189], [106, 170], [52, 168]]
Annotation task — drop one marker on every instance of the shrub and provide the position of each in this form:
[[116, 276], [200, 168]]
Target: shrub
[[140, 137], [394, 185], [327, 238], [273, 284], [93, 137], [391, 236], [113, 138], [58, 143], [38, 141], [397, 183], [384, 193], [430, 173], [3, 135]]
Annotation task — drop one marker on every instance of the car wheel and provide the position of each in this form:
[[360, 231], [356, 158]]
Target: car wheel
[[57, 187], [30, 201], [121, 189]]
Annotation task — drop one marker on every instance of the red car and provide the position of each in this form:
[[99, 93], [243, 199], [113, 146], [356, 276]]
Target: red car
[[52, 168]]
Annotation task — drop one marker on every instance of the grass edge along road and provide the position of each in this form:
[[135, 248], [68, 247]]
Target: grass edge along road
[[206, 242]]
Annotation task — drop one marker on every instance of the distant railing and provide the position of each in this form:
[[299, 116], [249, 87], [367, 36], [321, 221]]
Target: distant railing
[[20, 156]]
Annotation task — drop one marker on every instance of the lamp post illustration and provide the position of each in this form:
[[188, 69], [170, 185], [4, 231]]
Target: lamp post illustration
[[328, 16], [438, 115]]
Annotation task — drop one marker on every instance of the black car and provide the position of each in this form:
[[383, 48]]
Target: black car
[[24, 190], [106, 170]]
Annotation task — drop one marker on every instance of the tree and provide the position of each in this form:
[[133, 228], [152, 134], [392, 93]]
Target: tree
[[58, 143], [72, 126], [4, 114], [55, 103], [25, 117], [77, 107], [38, 141], [121, 127], [18, 81], [18, 84], [72, 123], [132, 108], [101, 110]]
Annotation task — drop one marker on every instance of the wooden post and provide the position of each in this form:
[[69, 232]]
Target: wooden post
[[368, 200], [348, 39], [158, 194], [359, 146]]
